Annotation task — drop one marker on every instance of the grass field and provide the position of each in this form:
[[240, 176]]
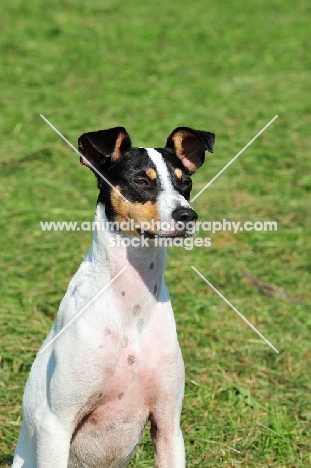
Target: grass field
[[226, 67]]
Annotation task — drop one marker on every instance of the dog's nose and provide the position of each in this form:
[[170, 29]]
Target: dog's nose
[[184, 214]]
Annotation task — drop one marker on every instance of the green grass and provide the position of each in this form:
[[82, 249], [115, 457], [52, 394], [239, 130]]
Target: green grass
[[226, 67]]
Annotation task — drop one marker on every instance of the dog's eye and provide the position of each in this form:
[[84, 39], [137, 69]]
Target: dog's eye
[[186, 184], [141, 181]]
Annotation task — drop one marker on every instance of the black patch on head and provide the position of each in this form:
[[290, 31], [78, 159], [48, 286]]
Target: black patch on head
[[128, 173], [155, 289], [110, 153], [151, 266]]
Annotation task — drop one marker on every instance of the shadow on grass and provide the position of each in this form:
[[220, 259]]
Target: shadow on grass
[[5, 461]]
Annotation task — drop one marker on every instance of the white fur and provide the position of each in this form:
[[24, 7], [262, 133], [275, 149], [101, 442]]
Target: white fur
[[119, 361], [169, 198]]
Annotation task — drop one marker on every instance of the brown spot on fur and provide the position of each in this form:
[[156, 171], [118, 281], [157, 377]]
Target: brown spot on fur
[[187, 146], [131, 359], [120, 396], [178, 173], [139, 212], [151, 173], [125, 341], [111, 427], [123, 293], [137, 310]]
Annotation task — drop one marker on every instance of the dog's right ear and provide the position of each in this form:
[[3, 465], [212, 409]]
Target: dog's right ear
[[104, 147]]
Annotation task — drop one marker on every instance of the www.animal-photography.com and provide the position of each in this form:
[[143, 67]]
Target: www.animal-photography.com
[[155, 232]]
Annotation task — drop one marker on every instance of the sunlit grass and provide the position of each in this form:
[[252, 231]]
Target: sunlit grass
[[225, 67]]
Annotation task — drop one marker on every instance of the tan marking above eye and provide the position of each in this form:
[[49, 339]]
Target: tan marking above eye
[[178, 173], [139, 212], [151, 173]]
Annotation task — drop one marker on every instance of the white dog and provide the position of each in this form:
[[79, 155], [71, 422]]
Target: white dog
[[112, 360]]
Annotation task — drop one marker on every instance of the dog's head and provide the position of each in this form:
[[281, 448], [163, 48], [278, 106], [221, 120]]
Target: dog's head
[[150, 186]]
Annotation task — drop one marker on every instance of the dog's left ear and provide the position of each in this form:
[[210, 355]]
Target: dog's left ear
[[190, 146], [103, 147]]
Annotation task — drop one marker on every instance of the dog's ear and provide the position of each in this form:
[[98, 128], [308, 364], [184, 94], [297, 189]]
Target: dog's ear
[[103, 147], [190, 146]]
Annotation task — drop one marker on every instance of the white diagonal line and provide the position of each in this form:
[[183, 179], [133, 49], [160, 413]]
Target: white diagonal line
[[233, 159], [78, 152], [235, 310], [82, 310]]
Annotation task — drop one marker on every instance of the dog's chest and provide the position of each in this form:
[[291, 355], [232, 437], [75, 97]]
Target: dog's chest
[[137, 339], [137, 352], [131, 388], [134, 354], [141, 358]]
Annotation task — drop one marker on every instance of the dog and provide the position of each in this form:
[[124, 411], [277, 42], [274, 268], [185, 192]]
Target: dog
[[102, 374]]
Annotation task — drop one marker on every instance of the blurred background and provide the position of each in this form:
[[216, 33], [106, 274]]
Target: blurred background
[[225, 67]]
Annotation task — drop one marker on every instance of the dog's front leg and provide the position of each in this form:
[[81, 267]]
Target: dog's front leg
[[168, 443], [52, 436], [55, 400], [45, 444]]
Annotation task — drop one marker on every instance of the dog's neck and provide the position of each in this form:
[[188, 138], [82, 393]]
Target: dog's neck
[[110, 251]]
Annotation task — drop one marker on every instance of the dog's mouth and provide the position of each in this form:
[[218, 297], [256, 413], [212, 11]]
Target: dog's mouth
[[170, 235]]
